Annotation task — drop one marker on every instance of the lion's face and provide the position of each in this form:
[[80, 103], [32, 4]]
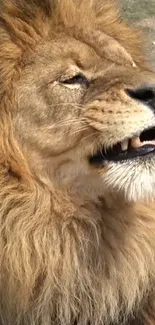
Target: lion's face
[[81, 117]]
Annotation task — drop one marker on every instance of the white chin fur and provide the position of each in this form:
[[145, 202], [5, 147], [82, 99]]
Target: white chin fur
[[134, 178]]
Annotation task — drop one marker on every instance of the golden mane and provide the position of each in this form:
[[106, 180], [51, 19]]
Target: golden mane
[[55, 265]]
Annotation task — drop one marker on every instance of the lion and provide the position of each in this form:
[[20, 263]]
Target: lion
[[77, 166]]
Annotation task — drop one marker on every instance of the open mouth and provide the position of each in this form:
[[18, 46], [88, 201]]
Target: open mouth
[[137, 146]]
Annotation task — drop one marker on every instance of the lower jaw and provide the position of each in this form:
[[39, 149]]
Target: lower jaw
[[100, 158]]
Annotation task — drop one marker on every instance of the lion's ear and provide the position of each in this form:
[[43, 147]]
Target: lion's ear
[[107, 47], [111, 49]]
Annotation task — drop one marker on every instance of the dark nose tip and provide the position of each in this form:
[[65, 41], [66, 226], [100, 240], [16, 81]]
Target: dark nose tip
[[145, 94]]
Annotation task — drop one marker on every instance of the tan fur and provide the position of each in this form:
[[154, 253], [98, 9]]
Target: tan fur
[[76, 246]]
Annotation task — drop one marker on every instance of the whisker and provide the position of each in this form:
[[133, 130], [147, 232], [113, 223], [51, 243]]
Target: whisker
[[87, 137], [78, 119], [66, 123], [78, 130], [101, 152], [67, 104], [93, 124]]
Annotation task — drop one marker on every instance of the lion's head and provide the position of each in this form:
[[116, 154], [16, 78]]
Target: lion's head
[[84, 100], [77, 121]]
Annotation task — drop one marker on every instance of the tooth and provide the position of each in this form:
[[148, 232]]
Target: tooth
[[135, 142], [124, 145], [134, 64]]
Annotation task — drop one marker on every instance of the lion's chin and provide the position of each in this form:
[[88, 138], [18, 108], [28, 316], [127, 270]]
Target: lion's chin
[[129, 166], [135, 179]]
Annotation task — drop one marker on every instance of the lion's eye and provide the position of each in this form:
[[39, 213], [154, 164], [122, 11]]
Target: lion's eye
[[77, 80]]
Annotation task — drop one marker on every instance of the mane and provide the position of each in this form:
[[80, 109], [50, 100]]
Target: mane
[[51, 247]]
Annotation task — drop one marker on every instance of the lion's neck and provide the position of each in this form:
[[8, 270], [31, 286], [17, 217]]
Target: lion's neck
[[84, 258]]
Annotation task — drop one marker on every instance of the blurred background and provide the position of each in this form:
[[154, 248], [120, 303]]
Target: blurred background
[[142, 13]]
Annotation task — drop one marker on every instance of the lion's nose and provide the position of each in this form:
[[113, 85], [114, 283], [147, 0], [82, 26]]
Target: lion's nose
[[144, 94]]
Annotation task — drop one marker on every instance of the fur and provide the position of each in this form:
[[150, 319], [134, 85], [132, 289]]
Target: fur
[[76, 246]]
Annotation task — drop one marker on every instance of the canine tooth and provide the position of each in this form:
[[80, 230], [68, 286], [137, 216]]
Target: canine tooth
[[134, 64], [124, 145], [135, 142]]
